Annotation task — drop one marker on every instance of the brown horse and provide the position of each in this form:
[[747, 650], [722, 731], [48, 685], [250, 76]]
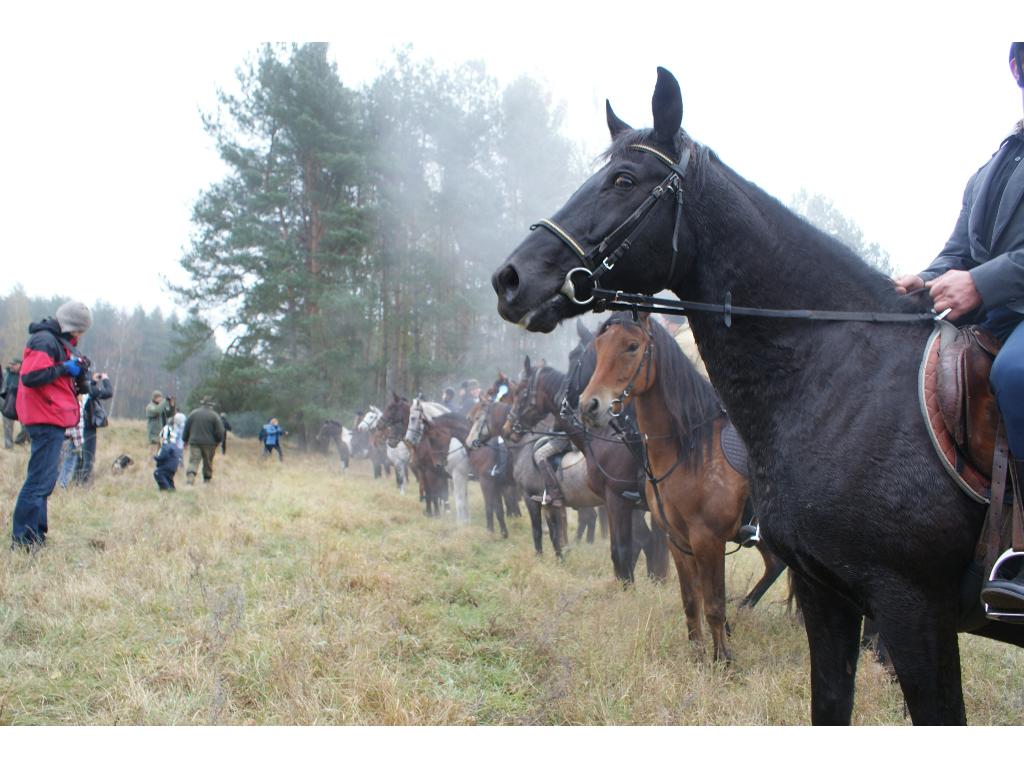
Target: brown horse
[[425, 463], [696, 495]]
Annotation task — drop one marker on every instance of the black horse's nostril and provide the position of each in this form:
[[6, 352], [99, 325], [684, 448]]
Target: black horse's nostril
[[506, 282]]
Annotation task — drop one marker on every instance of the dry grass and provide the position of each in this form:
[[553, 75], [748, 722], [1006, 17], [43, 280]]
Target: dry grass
[[293, 595]]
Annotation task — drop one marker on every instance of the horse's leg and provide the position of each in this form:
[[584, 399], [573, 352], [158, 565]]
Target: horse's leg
[[709, 551], [686, 570], [620, 522], [555, 528], [773, 568], [919, 631], [585, 523], [510, 494], [536, 523], [512, 500], [872, 641], [602, 521], [499, 507], [657, 555], [641, 538], [833, 634], [563, 525]]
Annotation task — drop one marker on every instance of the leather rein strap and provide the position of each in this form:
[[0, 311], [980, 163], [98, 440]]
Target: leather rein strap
[[581, 283]]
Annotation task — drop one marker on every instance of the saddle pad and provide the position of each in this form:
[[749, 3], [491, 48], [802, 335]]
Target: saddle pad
[[967, 477], [735, 449]]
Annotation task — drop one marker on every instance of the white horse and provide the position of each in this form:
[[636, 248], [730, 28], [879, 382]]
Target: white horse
[[421, 413]]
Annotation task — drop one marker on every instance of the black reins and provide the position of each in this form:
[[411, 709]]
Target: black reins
[[581, 283]]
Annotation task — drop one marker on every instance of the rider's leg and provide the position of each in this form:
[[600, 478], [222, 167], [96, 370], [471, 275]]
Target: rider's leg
[[552, 489], [1007, 378]]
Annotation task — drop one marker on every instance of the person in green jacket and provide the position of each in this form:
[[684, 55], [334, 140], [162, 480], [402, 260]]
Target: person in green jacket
[[158, 412], [204, 431]]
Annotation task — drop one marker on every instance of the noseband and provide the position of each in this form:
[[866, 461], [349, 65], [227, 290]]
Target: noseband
[[580, 281]]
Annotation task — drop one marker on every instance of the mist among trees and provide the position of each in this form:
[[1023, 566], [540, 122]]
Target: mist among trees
[[347, 251]]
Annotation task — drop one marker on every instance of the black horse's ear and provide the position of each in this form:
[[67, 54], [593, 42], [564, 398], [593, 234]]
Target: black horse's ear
[[667, 107], [615, 125], [583, 332], [526, 366], [395, 395]]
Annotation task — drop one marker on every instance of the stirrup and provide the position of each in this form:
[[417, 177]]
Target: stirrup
[[1009, 618], [750, 535]]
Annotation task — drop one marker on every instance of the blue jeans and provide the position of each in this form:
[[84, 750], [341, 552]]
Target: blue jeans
[[30, 509], [1007, 378], [70, 457]]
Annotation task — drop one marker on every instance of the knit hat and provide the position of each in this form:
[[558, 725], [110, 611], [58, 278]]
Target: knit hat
[[157, 393], [74, 316]]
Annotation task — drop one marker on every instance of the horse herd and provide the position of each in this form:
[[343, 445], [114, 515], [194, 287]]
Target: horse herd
[[660, 452]]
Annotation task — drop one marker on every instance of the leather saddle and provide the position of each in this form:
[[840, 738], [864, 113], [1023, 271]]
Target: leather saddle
[[959, 406]]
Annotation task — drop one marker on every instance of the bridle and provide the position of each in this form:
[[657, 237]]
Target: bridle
[[526, 405], [581, 285], [617, 404], [483, 419], [580, 282]]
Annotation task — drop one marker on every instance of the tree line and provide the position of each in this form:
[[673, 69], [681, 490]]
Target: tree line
[[348, 249]]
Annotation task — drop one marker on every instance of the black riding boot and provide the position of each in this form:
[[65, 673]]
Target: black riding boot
[[1007, 595], [500, 467], [552, 491]]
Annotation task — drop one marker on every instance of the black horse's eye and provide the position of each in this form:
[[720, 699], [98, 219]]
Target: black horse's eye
[[624, 181], [633, 346]]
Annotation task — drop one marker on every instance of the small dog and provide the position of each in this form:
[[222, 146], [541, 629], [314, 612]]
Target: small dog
[[121, 463]]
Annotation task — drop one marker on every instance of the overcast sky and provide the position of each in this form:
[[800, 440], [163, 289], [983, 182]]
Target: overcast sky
[[886, 111]]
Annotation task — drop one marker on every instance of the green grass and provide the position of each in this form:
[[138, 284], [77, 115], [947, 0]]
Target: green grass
[[291, 594]]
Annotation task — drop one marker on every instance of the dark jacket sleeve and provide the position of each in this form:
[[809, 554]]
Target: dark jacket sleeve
[[38, 369], [188, 429], [957, 253], [101, 390]]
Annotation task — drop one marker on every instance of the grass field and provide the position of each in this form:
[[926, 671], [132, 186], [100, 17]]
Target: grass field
[[293, 594]]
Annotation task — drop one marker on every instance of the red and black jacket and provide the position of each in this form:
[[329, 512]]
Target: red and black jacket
[[48, 395]]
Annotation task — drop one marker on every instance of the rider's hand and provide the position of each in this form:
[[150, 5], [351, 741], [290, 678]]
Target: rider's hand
[[908, 283], [955, 290], [71, 367]]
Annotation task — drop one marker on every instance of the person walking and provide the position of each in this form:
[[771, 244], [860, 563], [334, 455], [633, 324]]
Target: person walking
[[270, 436], [10, 405], [980, 275], [204, 431], [52, 375]]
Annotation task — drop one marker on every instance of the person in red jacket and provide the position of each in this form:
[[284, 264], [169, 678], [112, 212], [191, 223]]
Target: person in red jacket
[[52, 375]]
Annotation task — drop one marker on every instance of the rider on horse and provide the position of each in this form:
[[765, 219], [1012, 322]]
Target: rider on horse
[[982, 268]]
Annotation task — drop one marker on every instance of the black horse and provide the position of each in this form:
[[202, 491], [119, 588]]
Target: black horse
[[848, 488]]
